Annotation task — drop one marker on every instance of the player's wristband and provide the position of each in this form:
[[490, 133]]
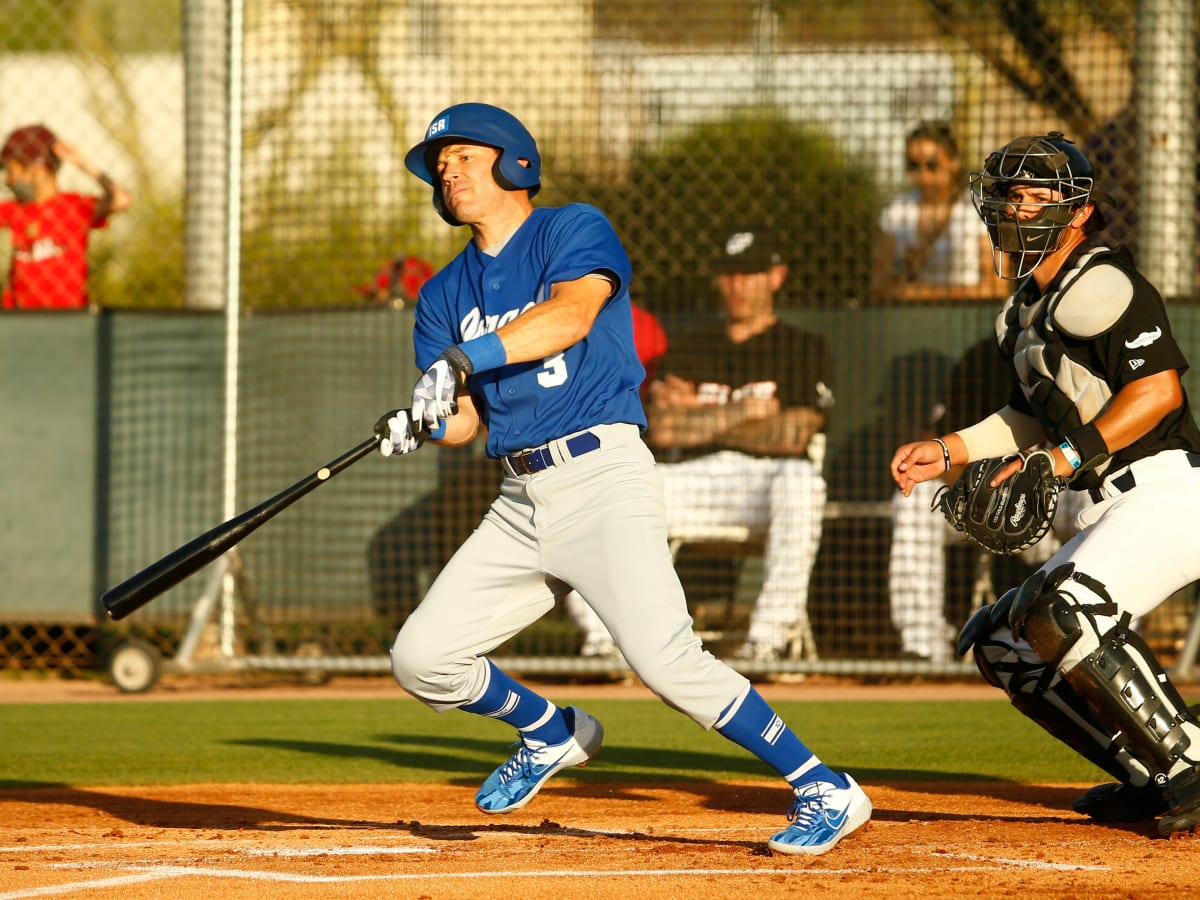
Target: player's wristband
[[1089, 444], [945, 452], [1072, 457], [482, 353]]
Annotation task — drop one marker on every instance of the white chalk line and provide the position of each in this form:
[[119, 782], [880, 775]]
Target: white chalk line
[[337, 851], [57, 890], [137, 874], [279, 854], [1022, 863], [140, 875]]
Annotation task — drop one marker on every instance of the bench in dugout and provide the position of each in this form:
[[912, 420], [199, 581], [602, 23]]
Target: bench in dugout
[[745, 541]]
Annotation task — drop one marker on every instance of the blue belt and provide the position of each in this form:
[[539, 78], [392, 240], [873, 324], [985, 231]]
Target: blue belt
[[540, 458]]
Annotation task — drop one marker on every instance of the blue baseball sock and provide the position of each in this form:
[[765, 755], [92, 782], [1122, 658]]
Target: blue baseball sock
[[749, 722], [531, 714]]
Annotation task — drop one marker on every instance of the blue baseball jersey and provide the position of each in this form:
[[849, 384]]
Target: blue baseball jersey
[[593, 382]]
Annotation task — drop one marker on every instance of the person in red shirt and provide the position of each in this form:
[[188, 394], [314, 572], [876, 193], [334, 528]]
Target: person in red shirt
[[649, 340], [398, 283], [49, 227]]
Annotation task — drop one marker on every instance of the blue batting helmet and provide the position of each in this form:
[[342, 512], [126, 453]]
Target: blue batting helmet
[[479, 123]]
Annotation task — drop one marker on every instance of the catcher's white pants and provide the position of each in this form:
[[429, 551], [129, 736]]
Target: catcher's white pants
[[917, 565], [783, 499], [1140, 544]]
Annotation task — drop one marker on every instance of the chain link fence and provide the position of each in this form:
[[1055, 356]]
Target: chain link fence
[[251, 310]]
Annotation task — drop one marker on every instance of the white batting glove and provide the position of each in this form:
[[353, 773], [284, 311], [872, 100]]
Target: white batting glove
[[434, 393], [397, 433]]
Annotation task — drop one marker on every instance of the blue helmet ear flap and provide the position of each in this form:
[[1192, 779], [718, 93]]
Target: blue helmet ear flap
[[512, 176]]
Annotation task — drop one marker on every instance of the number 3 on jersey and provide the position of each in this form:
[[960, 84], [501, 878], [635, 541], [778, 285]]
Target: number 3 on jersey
[[554, 371]]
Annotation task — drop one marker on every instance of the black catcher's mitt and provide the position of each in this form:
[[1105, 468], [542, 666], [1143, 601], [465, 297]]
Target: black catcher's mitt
[[1006, 519]]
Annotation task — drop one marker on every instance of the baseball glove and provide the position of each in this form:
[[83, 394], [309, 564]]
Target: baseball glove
[[1011, 517]]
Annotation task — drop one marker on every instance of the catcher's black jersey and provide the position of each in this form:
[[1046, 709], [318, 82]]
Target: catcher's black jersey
[[785, 362], [1099, 326]]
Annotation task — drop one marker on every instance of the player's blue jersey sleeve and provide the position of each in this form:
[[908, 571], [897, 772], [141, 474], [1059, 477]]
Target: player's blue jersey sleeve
[[593, 382], [580, 241]]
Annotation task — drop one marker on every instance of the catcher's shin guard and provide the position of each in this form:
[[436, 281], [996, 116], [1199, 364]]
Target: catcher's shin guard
[[1111, 667], [1037, 691]]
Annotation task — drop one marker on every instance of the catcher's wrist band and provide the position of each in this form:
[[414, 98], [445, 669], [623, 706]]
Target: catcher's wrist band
[[1072, 457], [945, 452], [1089, 444]]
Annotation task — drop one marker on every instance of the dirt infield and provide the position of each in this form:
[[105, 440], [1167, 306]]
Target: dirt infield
[[702, 840], [595, 840]]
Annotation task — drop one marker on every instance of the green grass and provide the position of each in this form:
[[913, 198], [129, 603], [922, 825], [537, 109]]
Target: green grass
[[386, 741]]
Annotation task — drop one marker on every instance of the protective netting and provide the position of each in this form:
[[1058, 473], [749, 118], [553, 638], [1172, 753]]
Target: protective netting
[[679, 121]]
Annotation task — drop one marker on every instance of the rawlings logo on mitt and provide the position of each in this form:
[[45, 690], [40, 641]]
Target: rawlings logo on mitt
[[1011, 517]]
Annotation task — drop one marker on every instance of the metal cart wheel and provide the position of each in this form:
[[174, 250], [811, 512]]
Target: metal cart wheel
[[134, 666]]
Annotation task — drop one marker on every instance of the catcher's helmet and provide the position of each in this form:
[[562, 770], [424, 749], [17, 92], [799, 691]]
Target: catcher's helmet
[[479, 123], [1048, 161]]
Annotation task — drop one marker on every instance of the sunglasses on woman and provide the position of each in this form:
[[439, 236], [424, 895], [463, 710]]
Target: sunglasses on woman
[[929, 165]]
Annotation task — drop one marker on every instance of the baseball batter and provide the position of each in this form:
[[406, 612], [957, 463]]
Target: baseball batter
[[1099, 380], [527, 333]]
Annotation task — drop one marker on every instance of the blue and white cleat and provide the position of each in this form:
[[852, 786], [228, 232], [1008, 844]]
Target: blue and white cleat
[[517, 781], [820, 816]]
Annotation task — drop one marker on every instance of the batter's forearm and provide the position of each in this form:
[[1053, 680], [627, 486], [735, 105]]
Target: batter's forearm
[[462, 427], [552, 326]]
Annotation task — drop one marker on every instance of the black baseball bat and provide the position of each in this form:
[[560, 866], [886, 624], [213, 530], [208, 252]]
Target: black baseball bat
[[138, 590]]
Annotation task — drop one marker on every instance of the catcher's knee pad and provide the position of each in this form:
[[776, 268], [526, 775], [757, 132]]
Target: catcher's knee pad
[[1059, 628], [977, 634], [986, 634], [984, 621]]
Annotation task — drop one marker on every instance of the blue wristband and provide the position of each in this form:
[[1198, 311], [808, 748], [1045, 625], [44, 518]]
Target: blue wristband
[[438, 432], [486, 352], [1071, 455]]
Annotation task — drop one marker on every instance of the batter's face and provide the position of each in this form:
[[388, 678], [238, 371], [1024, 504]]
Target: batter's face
[[469, 190], [749, 295]]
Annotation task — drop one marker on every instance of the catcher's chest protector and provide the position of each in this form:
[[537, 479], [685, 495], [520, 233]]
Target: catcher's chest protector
[[1062, 391]]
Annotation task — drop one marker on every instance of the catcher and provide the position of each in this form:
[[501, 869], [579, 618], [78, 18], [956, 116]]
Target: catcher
[[1099, 394]]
